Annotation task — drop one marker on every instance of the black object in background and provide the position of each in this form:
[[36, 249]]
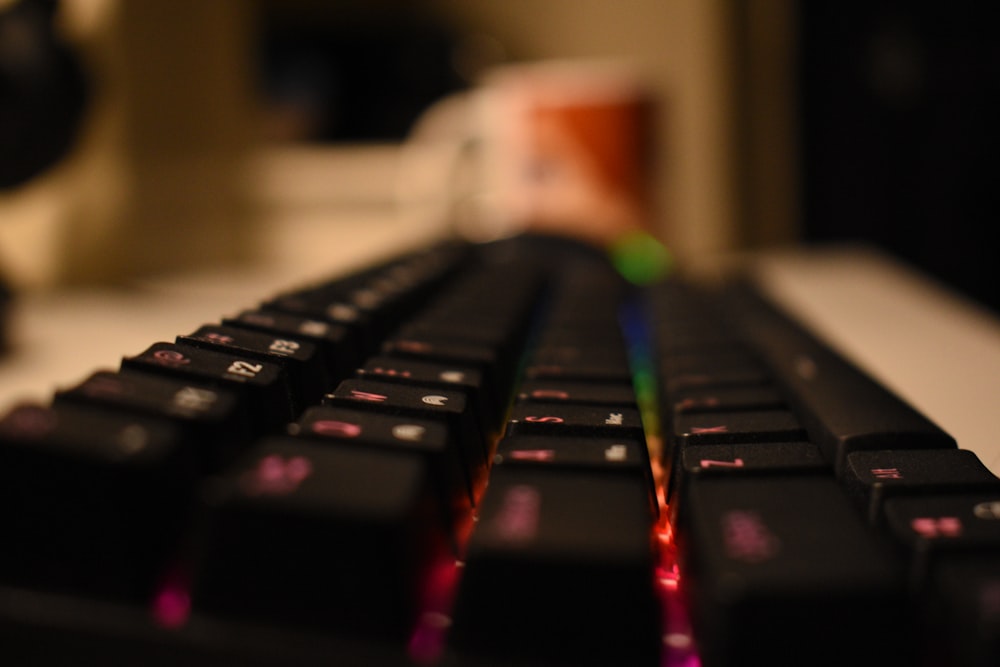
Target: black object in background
[[900, 133], [43, 92], [350, 72]]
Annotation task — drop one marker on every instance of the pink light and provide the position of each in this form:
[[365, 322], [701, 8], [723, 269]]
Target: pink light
[[428, 639], [275, 476], [336, 428], [517, 520], [533, 454], [172, 606]]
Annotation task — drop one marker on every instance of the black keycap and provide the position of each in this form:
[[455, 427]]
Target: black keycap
[[91, 500], [570, 419], [373, 302], [737, 427], [559, 568], [741, 460], [262, 386], [421, 437], [843, 409], [723, 377], [783, 571], [710, 360], [211, 419], [603, 393], [299, 358], [611, 455], [580, 354], [873, 476], [933, 526], [752, 458], [449, 406], [340, 351], [599, 367], [485, 359], [962, 611], [336, 309], [299, 533], [725, 399], [430, 374]]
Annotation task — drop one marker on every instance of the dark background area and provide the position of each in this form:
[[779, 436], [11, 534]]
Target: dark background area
[[896, 110], [899, 105], [351, 71]]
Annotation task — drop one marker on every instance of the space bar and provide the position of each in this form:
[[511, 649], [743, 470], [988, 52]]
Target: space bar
[[842, 408]]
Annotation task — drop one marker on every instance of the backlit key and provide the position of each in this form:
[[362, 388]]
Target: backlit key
[[262, 386], [427, 438], [327, 537], [447, 406], [559, 568], [783, 570], [736, 427], [92, 500], [300, 358], [580, 420], [212, 420]]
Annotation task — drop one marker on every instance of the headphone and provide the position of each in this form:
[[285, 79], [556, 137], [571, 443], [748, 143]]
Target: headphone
[[43, 91]]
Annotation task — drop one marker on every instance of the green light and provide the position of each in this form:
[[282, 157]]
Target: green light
[[640, 258]]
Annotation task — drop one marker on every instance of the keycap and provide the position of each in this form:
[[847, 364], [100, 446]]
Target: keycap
[[546, 545], [376, 300], [483, 358], [628, 456], [962, 615], [298, 533], [559, 390], [262, 386], [737, 427], [212, 420], [570, 419], [842, 408], [340, 351], [744, 459], [708, 398], [871, 477], [299, 358], [932, 526], [488, 405], [91, 500], [783, 570], [426, 438], [575, 452], [597, 364], [447, 406]]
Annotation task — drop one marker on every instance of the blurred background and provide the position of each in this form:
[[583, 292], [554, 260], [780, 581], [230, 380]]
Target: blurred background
[[232, 131]]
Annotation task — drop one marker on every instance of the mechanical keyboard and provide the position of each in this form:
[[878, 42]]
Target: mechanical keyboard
[[501, 454]]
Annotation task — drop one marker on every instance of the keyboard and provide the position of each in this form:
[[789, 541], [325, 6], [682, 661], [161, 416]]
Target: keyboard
[[500, 454]]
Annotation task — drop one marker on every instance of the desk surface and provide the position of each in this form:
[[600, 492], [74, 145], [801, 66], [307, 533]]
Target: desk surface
[[936, 350]]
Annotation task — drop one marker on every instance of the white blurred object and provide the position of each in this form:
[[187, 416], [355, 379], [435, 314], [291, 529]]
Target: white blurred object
[[555, 146]]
